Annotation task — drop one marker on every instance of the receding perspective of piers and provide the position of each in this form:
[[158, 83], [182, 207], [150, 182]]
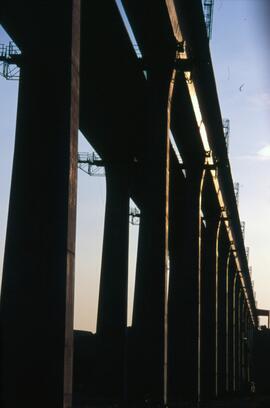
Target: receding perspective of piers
[[152, 114]]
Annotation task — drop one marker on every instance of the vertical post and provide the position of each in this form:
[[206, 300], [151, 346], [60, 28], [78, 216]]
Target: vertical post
[[231, 273], [175, 328], [235, 332], [185, 290], [221, 274], [250, 349], [72, 197], [240, 354], [237, 335], [112, 308], [167, 235], [38, 275], [150, 299], [244, 346], [217, 308], [211, 213]]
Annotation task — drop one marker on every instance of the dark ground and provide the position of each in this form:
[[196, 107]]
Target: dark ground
[[254, 402], [88, 371]]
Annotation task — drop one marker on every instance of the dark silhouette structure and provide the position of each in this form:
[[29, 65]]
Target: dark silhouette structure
[[194, 310]]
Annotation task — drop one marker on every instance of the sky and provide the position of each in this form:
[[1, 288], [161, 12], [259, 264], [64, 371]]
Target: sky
[[241, 60]]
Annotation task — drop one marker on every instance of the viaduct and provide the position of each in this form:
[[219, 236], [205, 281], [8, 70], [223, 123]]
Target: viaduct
[[153, 117]]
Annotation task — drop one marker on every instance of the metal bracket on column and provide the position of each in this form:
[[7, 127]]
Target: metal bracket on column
[[182, 166], [205, 166], [91, 164], [208, 6], [224, 218], [10, 61], [243, 228], [208, 166], [142, 63], [214, 164], [184, 64], [135, 216], [233, 247]]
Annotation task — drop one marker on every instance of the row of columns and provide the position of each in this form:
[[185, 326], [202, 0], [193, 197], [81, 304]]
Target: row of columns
[[202, 352], [209, 325]]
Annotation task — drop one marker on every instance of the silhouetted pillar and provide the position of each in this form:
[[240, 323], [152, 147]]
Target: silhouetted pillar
[[184, 287], [222, 265], [112, 307], [239, 345], [38, 275], [148, 311], [248, 328], [229, 324], [251, 349], [177, 229], [244, 339], [211, 212], [236, 331]]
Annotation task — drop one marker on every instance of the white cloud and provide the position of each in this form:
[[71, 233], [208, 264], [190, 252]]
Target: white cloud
[[264, 153], [260, 100]]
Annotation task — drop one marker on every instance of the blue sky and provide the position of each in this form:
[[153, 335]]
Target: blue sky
[[241, 59], [240, 54]]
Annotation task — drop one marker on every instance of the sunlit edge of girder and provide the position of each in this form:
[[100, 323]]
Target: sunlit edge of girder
[[183, 55], [128, 28]]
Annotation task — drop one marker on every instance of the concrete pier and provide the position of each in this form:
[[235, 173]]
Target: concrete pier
[[38, 275]]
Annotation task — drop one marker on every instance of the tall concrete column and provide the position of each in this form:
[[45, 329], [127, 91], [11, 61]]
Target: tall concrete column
[[221, 274], [211, 213], [240, 336], [112, 307], [149, 298], [184, 286], [38, 275], [177, 230], [236, 354], [231, 273], [244, 347], [250, 349]]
